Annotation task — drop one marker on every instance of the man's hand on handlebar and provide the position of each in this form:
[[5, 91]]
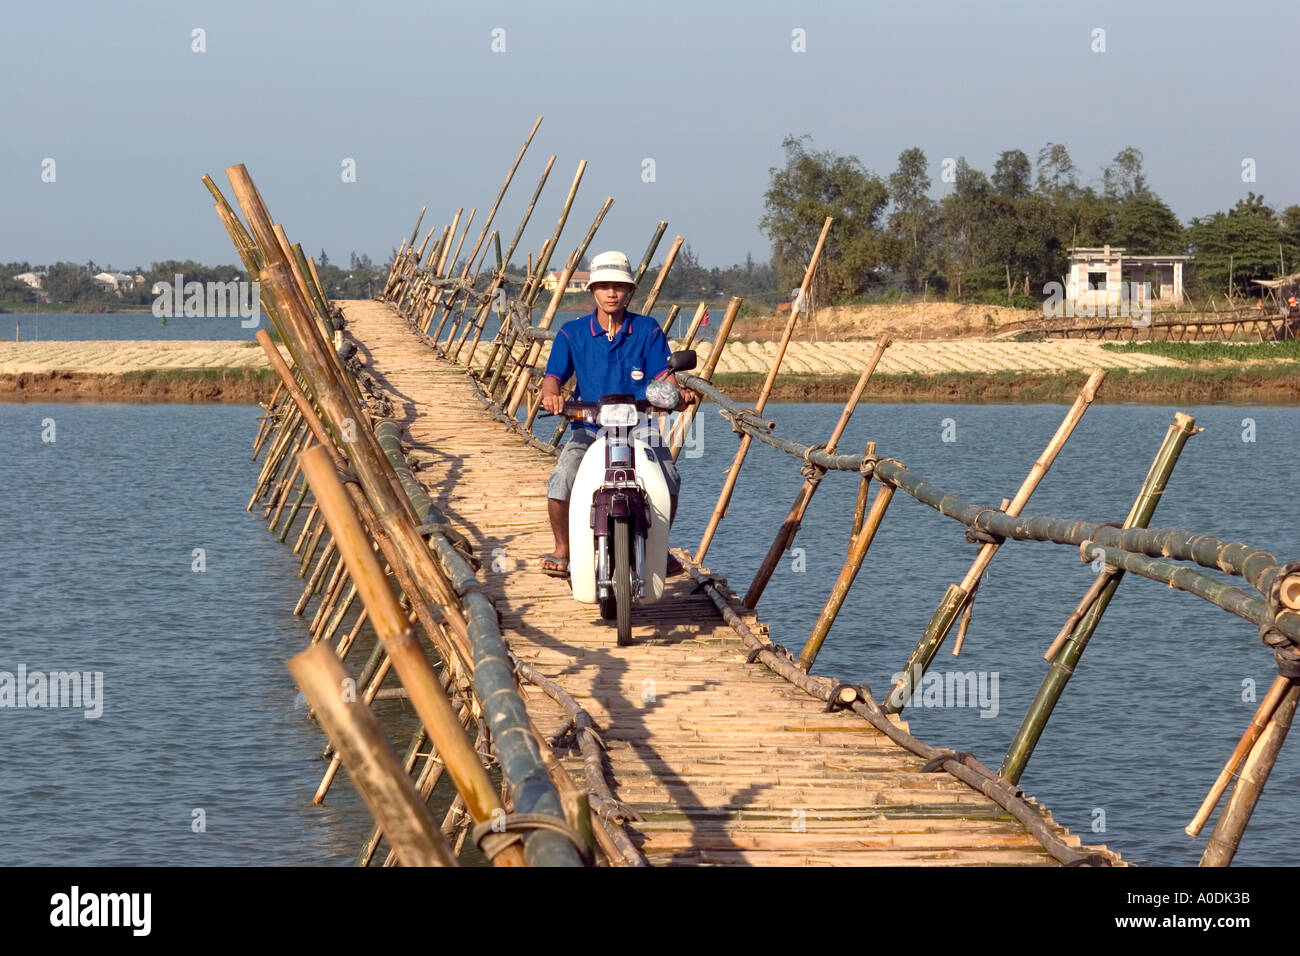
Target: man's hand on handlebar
[[688, 398], [553, 403]]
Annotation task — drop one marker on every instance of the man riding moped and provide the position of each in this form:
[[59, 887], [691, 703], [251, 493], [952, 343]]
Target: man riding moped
[[610, 351]]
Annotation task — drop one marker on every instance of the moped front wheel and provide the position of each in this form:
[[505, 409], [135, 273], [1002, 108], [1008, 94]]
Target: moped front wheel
[[623, 580]]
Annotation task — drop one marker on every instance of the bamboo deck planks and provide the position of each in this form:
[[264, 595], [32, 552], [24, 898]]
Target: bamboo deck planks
[[727, 763]]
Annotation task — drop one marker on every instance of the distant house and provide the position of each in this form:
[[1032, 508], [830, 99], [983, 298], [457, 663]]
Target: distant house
[[118, 282], [1097, 277], [31, 279], [577, 282]]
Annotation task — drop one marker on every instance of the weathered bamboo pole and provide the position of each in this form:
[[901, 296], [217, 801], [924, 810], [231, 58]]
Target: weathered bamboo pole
[[285, 436], [648, 305], [267, 421], [840, 590], [954, 601], [306, 527], [487, 223], [649, 253], [677, 437], [367, 699], [1222, 845], [1257, 725], [864, 485], [370, 760], [394, 630], [504, 264], [794, 518], [329, 630], [293, 512], [313, 583], [535, 348], [1065, 662], [469, 325], [392, 507], [453, 643], [724, 497]]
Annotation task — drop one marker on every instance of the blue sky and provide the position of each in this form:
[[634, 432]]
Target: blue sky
[[414, 93]]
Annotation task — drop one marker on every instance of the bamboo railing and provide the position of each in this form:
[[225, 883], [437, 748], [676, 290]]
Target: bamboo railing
[[319, 394]]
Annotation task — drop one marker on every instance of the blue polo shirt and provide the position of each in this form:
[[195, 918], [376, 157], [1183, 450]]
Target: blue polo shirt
[[637, 355]]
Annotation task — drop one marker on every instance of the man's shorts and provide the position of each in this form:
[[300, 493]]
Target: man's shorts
[[560, 484]]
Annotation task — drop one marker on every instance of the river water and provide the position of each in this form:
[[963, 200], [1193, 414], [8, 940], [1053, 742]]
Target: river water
[[203, 754]]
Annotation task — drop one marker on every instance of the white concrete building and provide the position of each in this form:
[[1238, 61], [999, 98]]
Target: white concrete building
[[1097, 276]]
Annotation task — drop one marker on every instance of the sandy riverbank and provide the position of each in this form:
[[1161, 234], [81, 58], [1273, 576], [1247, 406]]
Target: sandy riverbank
[[964, 370]]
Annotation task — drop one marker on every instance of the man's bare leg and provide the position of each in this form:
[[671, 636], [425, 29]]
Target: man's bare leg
[[558, 512]]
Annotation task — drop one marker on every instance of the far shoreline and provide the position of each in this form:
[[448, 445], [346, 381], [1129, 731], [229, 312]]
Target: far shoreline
[[1253, 384]]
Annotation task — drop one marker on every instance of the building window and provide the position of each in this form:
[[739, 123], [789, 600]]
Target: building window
[[1097, 281]]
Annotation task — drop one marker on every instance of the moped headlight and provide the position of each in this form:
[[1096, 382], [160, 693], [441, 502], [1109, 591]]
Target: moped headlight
[[617, 416]]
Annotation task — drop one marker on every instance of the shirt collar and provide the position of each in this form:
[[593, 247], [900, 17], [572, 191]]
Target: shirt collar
[[624, 329]]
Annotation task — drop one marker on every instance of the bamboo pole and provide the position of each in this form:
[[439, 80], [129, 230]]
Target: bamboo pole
[[649, 253], [648, 305], [677, 437], [393, 628], [724, 498], [794, 518], [368, 699], [523, 375], [1065, 662], [504, 261], [840, 590], [370, 760], [1222, 845], [954, 601], [864, 484], [487, 223], [455, 642], [1258, 724]]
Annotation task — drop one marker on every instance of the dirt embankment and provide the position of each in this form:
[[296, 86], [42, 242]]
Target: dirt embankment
[[911, 322], [1261, 385], [242, 386]]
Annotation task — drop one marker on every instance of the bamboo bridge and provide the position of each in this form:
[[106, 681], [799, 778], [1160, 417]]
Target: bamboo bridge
[[409, 445]]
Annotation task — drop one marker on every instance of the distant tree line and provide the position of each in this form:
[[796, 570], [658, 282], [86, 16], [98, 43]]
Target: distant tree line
[[73, 283], [1000, 236]]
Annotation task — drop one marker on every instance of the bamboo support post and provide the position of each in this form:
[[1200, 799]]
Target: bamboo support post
[[840, 590], [954, 601], [649, 253], [1267, 707], [1066, 660], [677, 436], [414, 669], [1223, 842], [864, 485], [503, 263], [724, 497], [647, 307], [487, 222], [523, 375], [794, 518], [367, 699], [370, 760]]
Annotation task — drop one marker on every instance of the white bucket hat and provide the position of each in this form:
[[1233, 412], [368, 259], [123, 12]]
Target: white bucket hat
[[610, 267]]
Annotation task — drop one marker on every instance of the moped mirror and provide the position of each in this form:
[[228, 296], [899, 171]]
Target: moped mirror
[[682, 361]]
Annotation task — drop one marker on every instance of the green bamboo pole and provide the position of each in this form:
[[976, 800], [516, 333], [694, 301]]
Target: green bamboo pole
[[1222, 845], [954, 600], [1064, 662], [840, 590]]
